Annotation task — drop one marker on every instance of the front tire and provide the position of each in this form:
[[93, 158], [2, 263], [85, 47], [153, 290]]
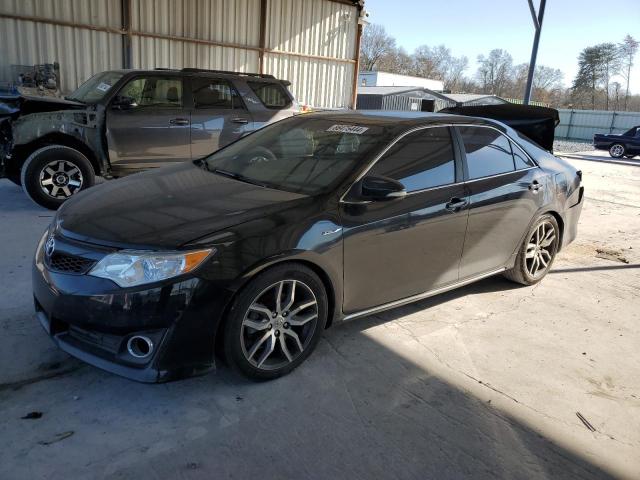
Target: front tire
[[54, 173], [617, 150], [537, 253], [275, 322]]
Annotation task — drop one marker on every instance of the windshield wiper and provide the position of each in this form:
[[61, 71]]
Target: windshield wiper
[[237, 176]]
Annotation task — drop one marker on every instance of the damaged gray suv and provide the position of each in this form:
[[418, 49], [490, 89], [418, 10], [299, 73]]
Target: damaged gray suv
[[125, 121]]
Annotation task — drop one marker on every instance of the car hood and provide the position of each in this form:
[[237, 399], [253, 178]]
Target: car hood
[[166, 208], [15, 105]]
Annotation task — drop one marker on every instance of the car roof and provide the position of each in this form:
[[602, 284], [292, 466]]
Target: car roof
[[200, 72], [403, 118]]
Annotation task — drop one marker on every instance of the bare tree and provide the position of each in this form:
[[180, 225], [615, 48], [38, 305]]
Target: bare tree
[[495, 71], [375, 44], [396, 61], [628, 49], [426, 62], [610, 57], [454, 72], [614, 91]]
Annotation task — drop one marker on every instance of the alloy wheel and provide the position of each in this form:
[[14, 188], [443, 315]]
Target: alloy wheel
[[279, 324], [540, 249], [60, 179], [617, 150]]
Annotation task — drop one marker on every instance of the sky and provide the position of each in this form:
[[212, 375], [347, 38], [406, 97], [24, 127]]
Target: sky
[[474, 27]]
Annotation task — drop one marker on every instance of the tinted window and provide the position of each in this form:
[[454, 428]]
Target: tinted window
[[488, 152], [154, 92], [213, 93], [420, 160], [520, 159], [272, 95]]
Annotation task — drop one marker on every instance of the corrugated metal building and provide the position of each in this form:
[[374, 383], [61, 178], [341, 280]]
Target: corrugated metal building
[[418, 99], [312, 43]]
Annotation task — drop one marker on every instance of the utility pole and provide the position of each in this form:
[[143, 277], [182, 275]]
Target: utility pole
[[537, 24]]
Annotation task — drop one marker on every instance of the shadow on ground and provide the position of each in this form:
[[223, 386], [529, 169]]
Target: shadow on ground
[[354, 410]]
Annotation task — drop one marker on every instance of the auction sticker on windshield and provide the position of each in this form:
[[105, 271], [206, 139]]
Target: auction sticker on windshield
[[103, 87], [348, 129]]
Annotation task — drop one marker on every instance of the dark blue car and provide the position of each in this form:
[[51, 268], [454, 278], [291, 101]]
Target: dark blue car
[[620, 145]]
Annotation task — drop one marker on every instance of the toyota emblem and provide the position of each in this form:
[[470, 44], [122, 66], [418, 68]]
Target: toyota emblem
[[50, 246]]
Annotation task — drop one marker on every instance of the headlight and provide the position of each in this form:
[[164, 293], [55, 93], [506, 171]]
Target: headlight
[[129, 268]]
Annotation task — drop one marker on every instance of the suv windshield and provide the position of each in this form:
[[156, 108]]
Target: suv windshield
[[302, 155], [96, 87]]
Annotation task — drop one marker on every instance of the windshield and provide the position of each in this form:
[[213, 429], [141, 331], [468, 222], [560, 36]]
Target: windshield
[[96, 87], [302, 155]]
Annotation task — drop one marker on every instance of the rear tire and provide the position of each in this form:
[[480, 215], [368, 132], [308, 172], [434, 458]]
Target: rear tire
[[54, 173], [617, 150], [265, 338], [537, 252]]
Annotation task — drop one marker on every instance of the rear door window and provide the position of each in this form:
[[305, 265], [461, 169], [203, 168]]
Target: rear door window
[[488, 152], [272, 95], [420, 160], [214, 93], [520, 159]]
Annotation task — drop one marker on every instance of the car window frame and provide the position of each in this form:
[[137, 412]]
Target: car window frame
[[511, 141], [279, 85], [186, 101], [454, 150], [236, 99], [459, 179], [461, 175]]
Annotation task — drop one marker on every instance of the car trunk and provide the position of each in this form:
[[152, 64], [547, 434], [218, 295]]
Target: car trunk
[[537, 123]]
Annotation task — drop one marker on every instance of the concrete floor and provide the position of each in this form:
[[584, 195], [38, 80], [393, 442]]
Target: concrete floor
[[483, 382]]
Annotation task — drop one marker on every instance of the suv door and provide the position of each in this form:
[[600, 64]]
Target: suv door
[[506, 191], [218, 117], [397, 248], [147, 124]]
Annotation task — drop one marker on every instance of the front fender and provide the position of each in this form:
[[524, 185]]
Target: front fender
[[81, 125]]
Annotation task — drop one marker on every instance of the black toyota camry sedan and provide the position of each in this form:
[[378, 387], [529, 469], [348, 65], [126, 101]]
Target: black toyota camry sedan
[[253, 251]]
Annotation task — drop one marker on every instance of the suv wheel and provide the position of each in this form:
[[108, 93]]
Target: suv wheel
[[275, 322], [54, 173]]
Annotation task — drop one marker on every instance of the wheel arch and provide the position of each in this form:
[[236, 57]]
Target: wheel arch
[[328, 284], [560, 222], [56, 138]]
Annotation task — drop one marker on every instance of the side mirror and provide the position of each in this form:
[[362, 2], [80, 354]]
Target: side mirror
[[382, 188], [123, 103]]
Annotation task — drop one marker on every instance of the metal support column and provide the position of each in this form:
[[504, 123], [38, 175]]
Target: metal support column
[[537, 23], [127, 60]]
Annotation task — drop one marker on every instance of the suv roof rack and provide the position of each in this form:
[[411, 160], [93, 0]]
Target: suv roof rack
[[227, 72]]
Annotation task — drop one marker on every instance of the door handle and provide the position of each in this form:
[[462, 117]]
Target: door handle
[[535, 186], [456, 204], [179, 121], [240, 120]]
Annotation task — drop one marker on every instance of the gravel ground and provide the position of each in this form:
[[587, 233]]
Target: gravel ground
[[567, 146]]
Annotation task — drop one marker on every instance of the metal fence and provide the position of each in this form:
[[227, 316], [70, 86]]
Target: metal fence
[[582, 124]]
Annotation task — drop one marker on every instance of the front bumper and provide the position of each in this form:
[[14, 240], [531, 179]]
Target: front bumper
[[92, 319]]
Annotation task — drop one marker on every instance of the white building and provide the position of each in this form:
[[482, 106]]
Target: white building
[[385, 79]]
